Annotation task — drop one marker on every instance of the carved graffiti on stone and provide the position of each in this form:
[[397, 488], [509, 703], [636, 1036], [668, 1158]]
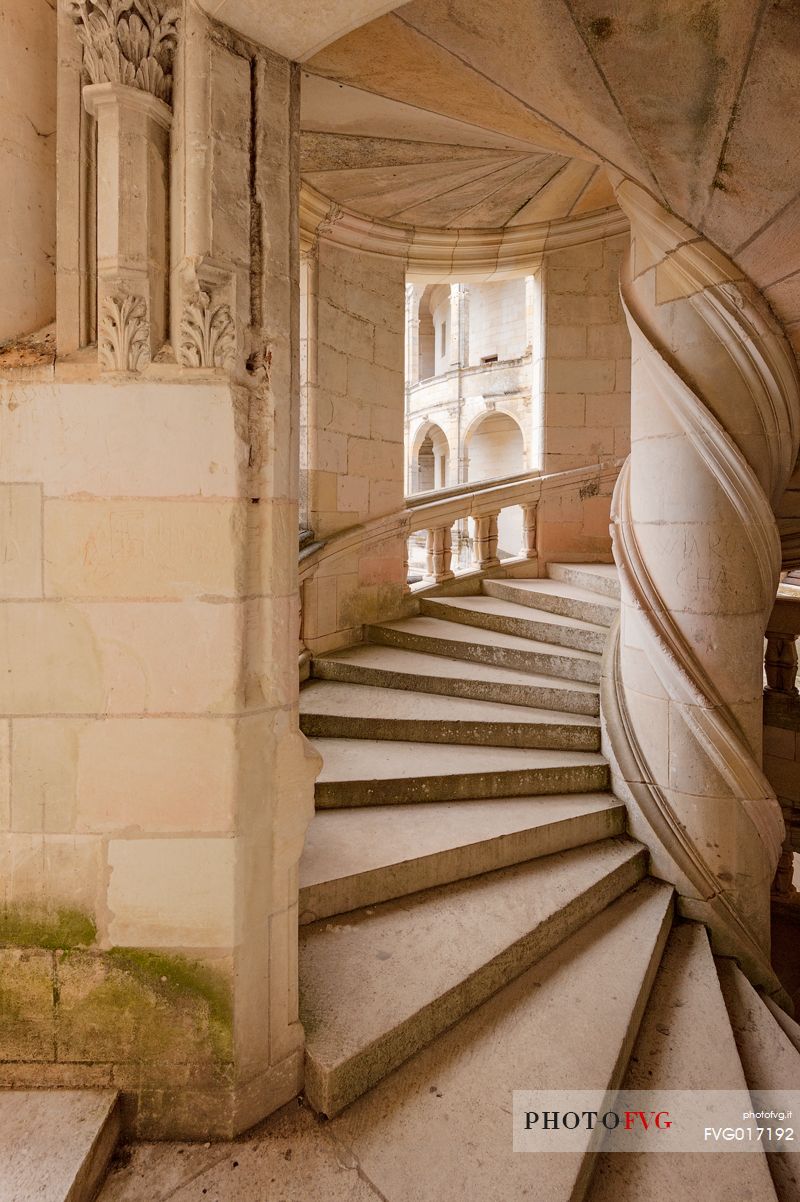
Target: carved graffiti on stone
[[128, 41], [208, 335], [124, 338]]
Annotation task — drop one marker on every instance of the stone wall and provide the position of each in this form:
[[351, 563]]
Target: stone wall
[[497, 320], [155, 789], [584, 382], [586, 377], [27, 157], [354, 416], [353, 434]]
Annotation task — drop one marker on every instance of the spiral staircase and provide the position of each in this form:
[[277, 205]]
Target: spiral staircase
[[476, 917]]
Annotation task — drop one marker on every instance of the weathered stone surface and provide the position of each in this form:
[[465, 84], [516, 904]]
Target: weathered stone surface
[[366, 772], [394, 667], [379, 984], [684, 1043], [354, 858], [55, 1146]]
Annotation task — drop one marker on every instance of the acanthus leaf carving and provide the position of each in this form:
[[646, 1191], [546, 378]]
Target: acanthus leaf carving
[[129, 42], [208, 333], [124, 338]]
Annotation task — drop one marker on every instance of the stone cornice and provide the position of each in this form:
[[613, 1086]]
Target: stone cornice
[[431, 254]]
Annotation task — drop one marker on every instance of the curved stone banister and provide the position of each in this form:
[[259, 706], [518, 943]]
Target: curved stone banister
[[359, 575], [458, 501], [715, 428]]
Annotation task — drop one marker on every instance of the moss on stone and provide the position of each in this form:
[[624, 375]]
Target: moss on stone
[[176, 975], [63, 929]]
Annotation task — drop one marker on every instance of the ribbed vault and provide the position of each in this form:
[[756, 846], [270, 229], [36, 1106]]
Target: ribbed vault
[[695, 99]]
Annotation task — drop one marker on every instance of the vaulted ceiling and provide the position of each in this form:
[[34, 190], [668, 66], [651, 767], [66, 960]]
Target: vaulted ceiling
[[398, 163], [461, 112]]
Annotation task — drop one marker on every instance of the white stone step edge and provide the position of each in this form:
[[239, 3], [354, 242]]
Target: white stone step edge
[[329, 1092], [581, 574], [387, 882], [62, 1165], [536, 624]]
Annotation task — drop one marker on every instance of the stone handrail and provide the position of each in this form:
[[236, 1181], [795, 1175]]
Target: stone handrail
[[436, 513]]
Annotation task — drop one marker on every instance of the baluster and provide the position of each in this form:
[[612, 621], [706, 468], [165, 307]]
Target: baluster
[[783, 885], [484, 547], [780, 662], [528, 548], [438, 547]]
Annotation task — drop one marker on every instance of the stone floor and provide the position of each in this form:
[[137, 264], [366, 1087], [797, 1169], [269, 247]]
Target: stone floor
[[292, 1157]]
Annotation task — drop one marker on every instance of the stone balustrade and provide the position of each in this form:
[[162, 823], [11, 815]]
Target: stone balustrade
[[361, 574]]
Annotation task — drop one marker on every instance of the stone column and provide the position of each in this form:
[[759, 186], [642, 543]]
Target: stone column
[[132, 228], [413, 296], [714, 439], [128, 53], [27, 168], [459, 325]]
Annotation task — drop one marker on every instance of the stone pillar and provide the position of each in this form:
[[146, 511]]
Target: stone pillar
[[159, 788], [128, 54], [132, 223], [533, 316], [714, 439], [413, 296], [459, 325], [27, 168]]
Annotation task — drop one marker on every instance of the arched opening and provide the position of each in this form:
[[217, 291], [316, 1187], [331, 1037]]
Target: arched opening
[[431, 464], [495, 447]]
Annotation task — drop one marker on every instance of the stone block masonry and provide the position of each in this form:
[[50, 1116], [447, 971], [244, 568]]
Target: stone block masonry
[[154, 787]]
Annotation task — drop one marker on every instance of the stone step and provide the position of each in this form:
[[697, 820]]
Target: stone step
[[569, 1022], [55, 1144], [790, 1028], [596, 577], [330, 709], [457, 641], [383, 984], [684, 1043], [508, 617], [556, 596], [363, 772], [393, 668], [358, 857], [771, 1064]]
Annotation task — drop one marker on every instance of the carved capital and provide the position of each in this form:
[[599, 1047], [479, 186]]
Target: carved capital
[[128, 42], [208, 333], [124, 337]]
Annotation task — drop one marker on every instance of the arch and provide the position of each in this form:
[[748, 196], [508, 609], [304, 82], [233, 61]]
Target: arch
[[430, 458], [501, 430], [299, 29], [495, 446]]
